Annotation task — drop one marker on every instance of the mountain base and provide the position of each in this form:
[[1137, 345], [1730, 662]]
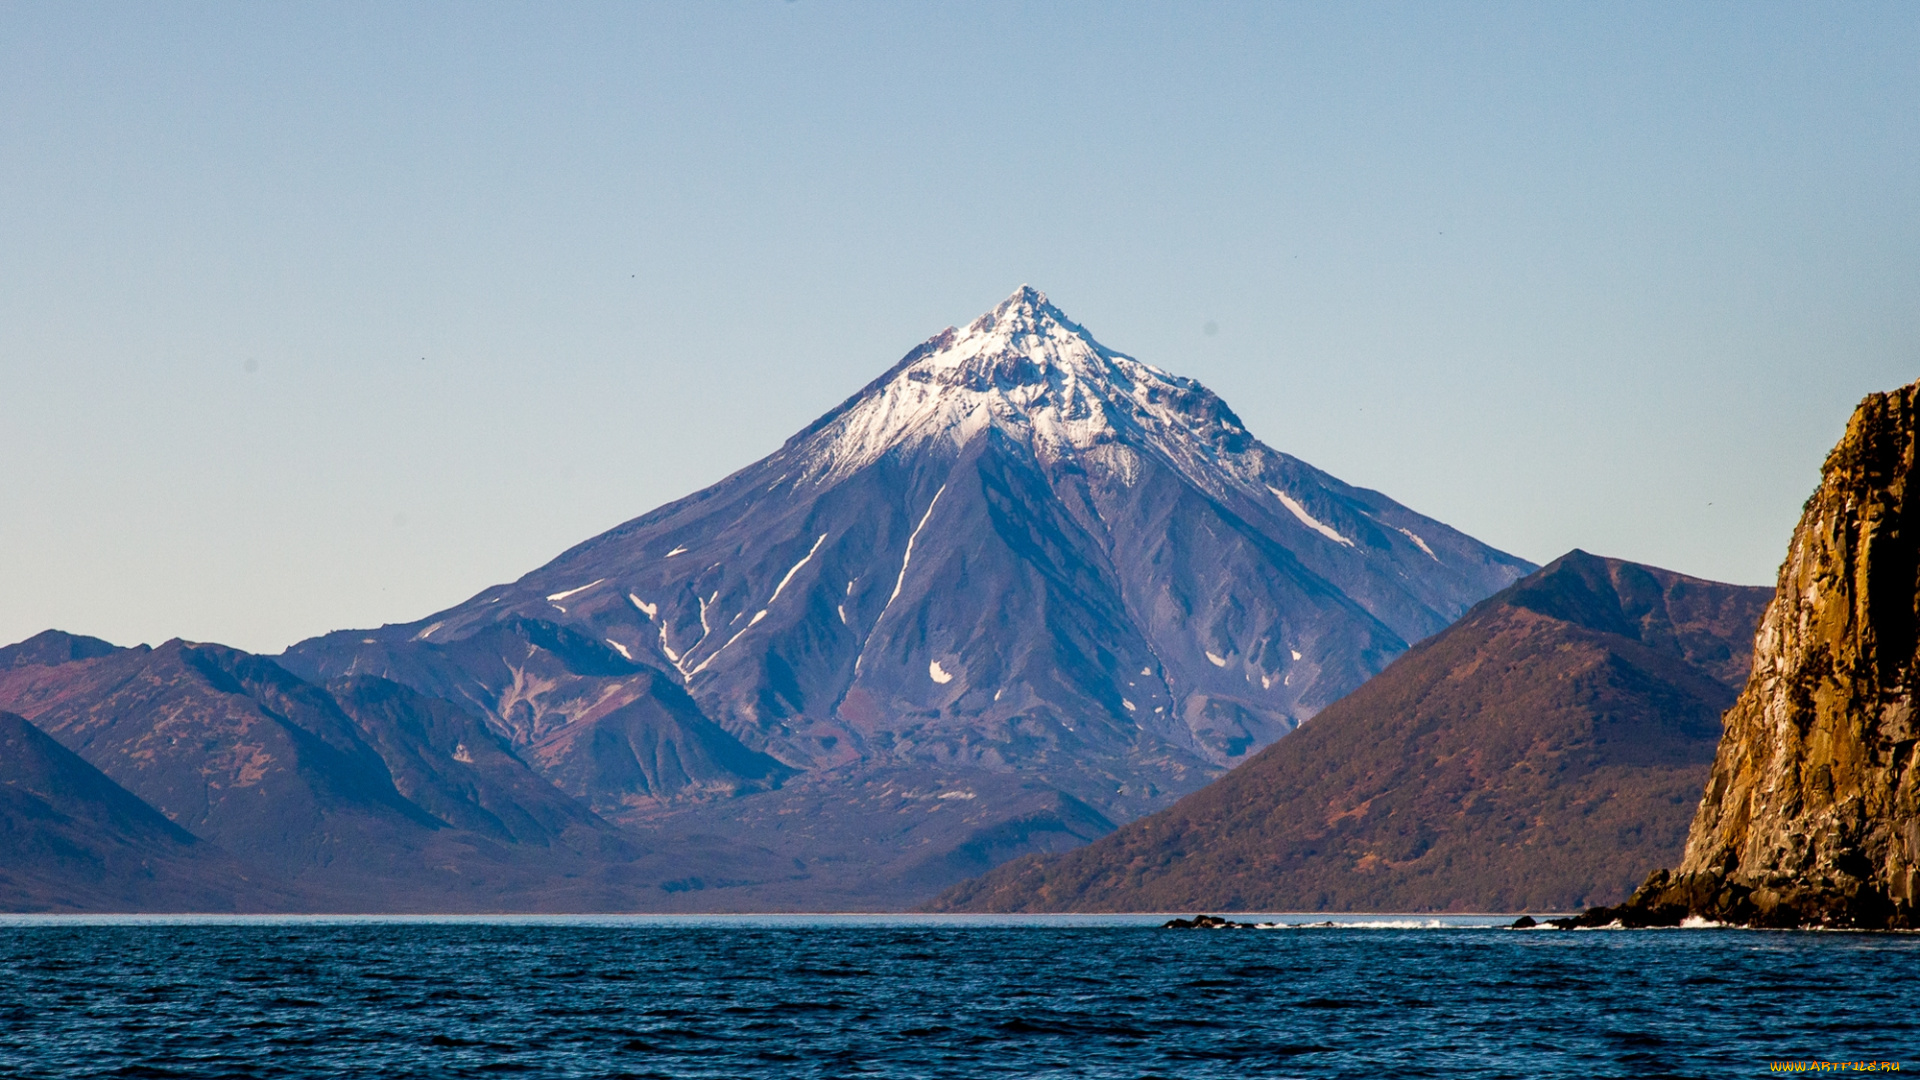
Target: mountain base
[[1667, 899]]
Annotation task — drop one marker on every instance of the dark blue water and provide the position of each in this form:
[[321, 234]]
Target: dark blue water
[[747, 998]]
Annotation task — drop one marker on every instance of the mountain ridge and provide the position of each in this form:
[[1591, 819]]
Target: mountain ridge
[[73, 840], [359, 795], [1541, 754]]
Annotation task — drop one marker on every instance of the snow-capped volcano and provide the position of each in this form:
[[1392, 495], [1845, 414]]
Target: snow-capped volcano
[[1025, 370], [1019, 561]]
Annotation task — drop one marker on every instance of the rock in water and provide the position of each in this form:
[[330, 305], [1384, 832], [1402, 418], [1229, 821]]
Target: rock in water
[[1809, 817], [1207, 922]]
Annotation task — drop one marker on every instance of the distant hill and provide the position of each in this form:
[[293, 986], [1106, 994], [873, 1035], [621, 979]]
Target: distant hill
[[234, 784], [73, 840], [1544, 753]]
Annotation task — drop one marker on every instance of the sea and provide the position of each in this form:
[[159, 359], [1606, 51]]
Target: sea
[[928, 996]]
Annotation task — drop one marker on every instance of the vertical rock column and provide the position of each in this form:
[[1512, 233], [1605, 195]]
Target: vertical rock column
[[1812, 812]]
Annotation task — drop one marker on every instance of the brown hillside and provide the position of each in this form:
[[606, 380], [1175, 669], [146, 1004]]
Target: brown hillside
[[1545, 752], [73, 840]]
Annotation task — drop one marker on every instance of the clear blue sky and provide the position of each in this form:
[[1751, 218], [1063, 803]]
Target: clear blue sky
[[327, 315]]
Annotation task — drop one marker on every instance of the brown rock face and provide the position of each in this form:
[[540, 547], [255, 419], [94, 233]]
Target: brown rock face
[[1812, 812]]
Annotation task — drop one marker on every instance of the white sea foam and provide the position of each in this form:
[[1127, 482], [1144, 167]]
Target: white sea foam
[[1371, 924]]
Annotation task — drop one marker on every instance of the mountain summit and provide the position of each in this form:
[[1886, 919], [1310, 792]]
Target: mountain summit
[[1031, 375], [1018, 589]]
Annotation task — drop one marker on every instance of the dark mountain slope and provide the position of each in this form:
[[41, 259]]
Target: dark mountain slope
[[443, 760], [1542, 753], [621, 735], [73, 840], [360, 796]]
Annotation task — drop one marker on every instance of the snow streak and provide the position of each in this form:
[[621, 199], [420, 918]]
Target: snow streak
[[905, 560], [796, 569], [570, 592], [1309, 520], [908, 557], [1422, 543]]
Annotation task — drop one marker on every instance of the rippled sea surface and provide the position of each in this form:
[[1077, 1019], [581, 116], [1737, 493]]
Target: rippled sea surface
[[814, 997]]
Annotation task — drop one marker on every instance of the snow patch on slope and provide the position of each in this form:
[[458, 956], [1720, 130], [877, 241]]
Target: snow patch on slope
[[1422, 543], [563, 595], [907, 559], [796, 569], [1309, 520]]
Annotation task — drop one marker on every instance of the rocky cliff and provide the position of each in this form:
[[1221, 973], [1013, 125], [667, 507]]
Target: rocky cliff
[[1812, 811]]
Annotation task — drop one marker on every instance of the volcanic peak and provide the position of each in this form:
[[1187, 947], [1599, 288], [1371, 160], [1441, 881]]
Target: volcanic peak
[[1027, 371]]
